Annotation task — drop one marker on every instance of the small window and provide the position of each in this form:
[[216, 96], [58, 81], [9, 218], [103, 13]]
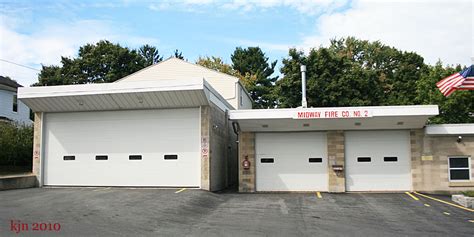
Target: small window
[[241, 97], [459, 168], [267, 160], [101, 157], [364, 159], [171, 157], [315, 160], [135, 157], [390, 159], [15, 103], [69, 157]]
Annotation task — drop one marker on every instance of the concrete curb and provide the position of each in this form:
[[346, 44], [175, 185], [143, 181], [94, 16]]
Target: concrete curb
[[17, 182]]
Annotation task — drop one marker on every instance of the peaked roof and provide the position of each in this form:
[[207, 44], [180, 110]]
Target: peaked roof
[[9, 82], [158, 67]]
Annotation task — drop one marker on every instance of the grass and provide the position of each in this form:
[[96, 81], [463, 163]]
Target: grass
[[468, 193]]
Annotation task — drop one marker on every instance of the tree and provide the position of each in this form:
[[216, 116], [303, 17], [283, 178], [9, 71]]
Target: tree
[[351, 72], [252, 62], [178, 54], [96, 63], [457, 108], [216, 63], [150, 54], [16, 142]]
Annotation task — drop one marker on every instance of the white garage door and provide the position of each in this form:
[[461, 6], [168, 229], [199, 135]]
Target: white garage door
[[378, 161], [123, 148], [291, 162]]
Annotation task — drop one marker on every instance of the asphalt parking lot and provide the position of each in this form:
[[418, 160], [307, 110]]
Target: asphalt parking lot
[[168, 212]]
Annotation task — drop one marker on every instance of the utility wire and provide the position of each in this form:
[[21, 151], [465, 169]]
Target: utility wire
[[19, 65]]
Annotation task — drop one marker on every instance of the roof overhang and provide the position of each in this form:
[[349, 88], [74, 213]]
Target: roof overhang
[[450, 129], [121, 96], [336, 118]]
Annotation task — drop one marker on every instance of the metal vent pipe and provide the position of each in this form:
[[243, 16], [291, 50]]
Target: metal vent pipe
[[304, 103]]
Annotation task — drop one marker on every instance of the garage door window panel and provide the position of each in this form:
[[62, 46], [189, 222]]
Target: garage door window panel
[[135, 157], [364, 159], [459, 168], [390, 159], [69, 157], [315, 160], [171, 157], [267, 160], [101, 157]]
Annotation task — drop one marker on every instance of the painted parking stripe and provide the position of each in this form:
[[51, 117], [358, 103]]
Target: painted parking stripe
[[427, 205], [180, 190], [472, 221], [319, 195], [448, 203], [447, 213], [412, 196]]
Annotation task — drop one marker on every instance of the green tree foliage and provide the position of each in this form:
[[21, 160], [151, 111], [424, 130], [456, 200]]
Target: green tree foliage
[[254, 65], [456, 108], [351, 72], [216, 63], [178, 54], [16, 144], [96, 63], [150, 54]]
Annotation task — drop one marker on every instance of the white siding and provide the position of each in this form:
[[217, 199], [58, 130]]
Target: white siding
[[6, 108], [176, 69]]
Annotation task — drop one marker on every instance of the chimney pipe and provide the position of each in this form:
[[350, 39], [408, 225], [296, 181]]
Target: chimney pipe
[[304, 103]]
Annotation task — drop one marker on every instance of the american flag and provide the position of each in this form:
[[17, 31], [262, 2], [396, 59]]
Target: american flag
[[463, 80]]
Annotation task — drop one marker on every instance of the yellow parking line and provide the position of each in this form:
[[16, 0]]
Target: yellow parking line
[[412, 196], [447, 213], [180, 190], [472, 221], [427, 205], [319, 195], [448, 203]]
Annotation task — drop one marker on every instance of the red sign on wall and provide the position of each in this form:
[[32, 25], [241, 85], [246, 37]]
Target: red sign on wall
[[332, 114]]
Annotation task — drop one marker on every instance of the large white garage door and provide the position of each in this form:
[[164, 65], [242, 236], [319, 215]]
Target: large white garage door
[[123, 148], [378, 161], [291, 162]]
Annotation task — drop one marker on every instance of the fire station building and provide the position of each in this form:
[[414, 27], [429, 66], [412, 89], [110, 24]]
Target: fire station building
[[176, 124]]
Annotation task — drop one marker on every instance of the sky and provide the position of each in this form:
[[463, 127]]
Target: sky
[[39, 32]]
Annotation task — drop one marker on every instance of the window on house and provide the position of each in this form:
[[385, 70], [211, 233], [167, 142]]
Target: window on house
[[15, 103], [459, 168], [241, 97]]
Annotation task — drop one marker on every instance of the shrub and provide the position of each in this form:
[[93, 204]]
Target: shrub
[[16, 144]]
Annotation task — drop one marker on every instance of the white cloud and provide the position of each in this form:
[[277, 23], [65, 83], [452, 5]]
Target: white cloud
[[51, 40], [434, 29], [308, 7]]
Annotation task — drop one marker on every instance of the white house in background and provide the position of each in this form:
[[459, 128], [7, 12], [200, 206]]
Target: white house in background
[[11, 109]]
